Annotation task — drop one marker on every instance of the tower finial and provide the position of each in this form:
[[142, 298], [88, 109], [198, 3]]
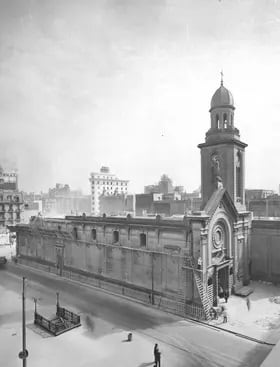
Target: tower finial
[[222, 77]]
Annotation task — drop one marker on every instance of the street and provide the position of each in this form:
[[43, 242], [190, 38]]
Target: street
[[106, 320]]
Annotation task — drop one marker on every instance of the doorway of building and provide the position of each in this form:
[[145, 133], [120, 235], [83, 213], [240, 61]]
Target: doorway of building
[[223, 279]]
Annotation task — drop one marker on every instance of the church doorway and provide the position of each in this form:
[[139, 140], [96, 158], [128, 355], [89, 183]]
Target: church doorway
[[221, 280]]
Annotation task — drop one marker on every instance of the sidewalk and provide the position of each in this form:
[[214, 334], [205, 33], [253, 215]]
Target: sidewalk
[[262, 321]]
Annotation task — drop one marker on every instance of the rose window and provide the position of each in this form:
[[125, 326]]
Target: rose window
[[218, 237]]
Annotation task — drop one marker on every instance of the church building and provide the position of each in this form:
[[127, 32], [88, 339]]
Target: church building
[[227, 244], [177, 263]]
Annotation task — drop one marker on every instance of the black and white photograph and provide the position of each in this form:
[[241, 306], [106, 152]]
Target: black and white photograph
[[139, 183]]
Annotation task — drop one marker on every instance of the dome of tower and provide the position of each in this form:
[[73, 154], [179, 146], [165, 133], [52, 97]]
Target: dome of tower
[[221, 98]]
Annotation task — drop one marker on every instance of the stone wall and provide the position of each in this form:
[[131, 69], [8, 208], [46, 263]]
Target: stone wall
[[265, 250], [147, 276]]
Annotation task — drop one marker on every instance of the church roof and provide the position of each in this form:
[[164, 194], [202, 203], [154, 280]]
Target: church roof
[[215, 199], [221, 98]]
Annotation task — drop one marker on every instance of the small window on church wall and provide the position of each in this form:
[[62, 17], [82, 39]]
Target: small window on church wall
[[75, 233], [115, 236], [143, 240], [93, 234]]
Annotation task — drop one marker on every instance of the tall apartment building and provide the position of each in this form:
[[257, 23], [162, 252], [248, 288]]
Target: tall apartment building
[[105, 183], [11, 200]]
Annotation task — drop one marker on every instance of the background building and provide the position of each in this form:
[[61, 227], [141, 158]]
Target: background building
[[118, 204], [33, 206], [61, 200], [11, 200], [105, 183], [58, 201]]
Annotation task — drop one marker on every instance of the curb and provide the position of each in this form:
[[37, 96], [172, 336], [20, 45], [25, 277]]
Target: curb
[[132, 300]]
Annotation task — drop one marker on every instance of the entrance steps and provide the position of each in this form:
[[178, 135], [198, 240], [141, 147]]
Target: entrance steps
[[244, 291]]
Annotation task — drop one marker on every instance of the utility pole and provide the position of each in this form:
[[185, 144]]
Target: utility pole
[[153, 298], [24, 353]]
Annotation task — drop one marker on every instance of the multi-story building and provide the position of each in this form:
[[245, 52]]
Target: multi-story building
[[119, 204], [61, 200], [164, 186], [10, 199], [105, 183]]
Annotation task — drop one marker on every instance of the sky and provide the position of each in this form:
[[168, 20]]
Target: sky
[[128, 84]]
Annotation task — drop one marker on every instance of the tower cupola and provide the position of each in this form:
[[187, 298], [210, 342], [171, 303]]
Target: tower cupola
[[223, 154], [222, 111]]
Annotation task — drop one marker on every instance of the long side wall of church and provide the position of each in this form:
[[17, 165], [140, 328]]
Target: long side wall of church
[[265, 250], [135, 272]]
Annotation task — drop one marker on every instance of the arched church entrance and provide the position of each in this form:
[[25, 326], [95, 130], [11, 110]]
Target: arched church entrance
[[221, 260]]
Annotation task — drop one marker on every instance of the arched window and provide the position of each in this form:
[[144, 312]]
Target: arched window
[[217, 121], [143, 240], [225, 120], [115, 236], [93, 234], [231, 120]]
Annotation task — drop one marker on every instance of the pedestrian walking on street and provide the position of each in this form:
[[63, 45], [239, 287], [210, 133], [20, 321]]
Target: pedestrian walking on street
[[156, 351], [248, 302], [158, 358], [226, 295], [224, 316]]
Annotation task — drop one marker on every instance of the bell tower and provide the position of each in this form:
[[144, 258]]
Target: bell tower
[[223, 154]]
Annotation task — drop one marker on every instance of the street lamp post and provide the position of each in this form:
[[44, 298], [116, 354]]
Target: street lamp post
[[24, 353]]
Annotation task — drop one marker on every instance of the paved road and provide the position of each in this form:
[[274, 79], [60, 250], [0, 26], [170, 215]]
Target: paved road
[[190, 343]]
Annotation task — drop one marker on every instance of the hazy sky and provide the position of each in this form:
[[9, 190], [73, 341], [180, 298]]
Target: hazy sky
[[128, 84]]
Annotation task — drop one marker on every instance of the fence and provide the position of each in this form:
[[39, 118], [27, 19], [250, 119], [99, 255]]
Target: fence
[[180, 300], [68, 315]]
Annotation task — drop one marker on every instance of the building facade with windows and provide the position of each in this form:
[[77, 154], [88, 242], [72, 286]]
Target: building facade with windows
[[11, 200], [105, 183]]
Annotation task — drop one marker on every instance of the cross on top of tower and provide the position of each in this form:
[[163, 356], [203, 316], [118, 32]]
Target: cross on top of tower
[[222, 77]]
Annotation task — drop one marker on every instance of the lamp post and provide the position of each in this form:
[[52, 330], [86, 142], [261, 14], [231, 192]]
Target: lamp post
[[24, 353]]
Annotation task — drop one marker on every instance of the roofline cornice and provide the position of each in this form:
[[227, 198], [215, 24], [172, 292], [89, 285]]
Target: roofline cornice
[[224, 141]]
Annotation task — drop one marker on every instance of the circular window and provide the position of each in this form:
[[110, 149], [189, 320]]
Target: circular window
[[218, 236]]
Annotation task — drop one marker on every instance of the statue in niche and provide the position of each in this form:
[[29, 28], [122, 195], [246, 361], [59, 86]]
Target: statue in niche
[[216, 169]]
